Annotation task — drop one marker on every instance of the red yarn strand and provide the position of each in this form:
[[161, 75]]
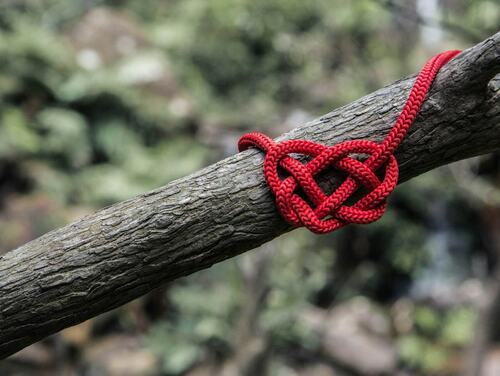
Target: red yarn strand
[[330, 212]]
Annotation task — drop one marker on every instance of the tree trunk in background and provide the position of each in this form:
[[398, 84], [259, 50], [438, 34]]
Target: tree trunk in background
[[121, 252], [489, 304]]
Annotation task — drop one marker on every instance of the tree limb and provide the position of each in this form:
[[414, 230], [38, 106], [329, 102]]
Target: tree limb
[[121, 252]]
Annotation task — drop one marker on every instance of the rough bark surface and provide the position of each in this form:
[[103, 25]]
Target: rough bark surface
[[123, 251]]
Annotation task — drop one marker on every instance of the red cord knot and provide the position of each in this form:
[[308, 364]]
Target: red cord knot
[[301, 201]]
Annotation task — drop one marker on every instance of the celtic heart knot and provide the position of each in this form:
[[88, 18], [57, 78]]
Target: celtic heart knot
[[314, 209]]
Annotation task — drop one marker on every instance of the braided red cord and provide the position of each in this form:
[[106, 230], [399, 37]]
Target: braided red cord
[[329, 212]]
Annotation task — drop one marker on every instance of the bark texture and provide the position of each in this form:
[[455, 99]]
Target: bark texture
[[123, 251]]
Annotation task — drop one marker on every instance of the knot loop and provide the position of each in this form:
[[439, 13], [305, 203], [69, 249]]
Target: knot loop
[[310, 206]]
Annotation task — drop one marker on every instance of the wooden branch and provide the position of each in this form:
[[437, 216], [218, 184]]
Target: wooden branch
[[123, 251]]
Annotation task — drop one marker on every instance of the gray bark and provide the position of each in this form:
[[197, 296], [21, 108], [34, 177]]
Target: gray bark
[[123, 251]]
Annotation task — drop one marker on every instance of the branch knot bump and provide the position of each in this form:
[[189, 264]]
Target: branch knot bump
[[322, 213]]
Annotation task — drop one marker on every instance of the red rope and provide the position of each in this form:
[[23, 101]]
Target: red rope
[[329, 213]]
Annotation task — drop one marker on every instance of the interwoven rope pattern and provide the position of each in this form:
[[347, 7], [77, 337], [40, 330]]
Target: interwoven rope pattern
[[329, 213]]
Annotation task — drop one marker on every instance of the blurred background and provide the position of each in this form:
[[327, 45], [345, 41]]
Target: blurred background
[[101, 100]]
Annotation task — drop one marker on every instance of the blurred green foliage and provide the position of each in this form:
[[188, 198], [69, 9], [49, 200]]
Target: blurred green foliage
[[101, 139], [436, 335], [86, 124]]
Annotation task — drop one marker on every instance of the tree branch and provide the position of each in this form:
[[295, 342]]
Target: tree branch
[[123, 251]]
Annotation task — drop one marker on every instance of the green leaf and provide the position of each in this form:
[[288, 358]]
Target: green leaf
[[16, 137], [66, 135]]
